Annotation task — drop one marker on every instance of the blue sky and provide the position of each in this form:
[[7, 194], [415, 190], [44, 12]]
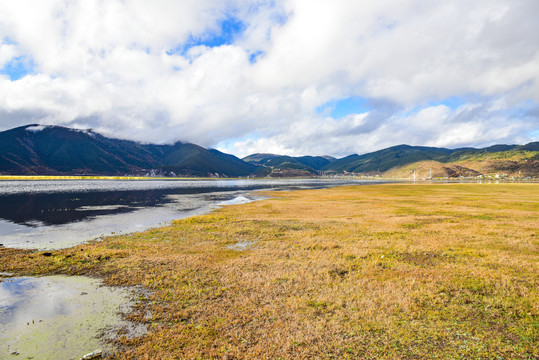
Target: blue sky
[[340, 108], [290, 77], [18, 67], [227, 30]]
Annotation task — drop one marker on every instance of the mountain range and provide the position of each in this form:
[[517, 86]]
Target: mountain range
[[56, 150], [403, 161]]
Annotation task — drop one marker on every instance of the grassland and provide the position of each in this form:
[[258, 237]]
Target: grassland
[[375, 272]]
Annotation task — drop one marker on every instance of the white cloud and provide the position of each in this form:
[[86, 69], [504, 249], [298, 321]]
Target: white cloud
[[36, 128], [7, 53], [112, 66], [439, 126]]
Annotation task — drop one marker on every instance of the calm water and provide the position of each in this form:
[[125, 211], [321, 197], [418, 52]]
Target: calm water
[[58, 214], [60, 317]]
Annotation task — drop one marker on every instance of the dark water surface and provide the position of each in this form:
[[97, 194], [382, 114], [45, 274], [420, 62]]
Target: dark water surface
[[61, 213]]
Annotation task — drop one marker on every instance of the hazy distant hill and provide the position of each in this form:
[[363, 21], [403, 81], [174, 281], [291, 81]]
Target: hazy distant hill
[[37, 149], [259, 159], [282, 165]]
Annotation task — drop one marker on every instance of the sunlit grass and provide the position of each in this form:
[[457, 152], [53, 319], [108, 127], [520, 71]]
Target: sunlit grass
[[505, 155], [381, 271]]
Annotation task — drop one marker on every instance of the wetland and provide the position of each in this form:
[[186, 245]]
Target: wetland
[[378, 271], [65, 317]]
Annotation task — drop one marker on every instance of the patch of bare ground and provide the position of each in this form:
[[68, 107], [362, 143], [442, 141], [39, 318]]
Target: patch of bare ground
[[379, 272]]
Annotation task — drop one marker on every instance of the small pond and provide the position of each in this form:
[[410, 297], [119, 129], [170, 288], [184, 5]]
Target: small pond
[[60, 317]]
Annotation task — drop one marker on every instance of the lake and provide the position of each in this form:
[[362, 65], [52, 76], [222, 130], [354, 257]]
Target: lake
[[54, 214]]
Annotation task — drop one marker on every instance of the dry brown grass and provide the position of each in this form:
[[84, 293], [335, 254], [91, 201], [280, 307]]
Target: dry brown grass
[[386, 271]]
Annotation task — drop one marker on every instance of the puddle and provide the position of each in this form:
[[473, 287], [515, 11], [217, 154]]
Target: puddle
[[238, 200], [240, 245], [60, 317]]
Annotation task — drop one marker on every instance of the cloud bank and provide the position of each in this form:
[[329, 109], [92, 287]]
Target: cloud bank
[[293, 76]]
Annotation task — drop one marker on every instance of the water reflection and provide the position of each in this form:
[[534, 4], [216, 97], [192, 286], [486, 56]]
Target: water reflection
[[61, 208], [62, 202], [22, 301], [56, 214], [59, 317]]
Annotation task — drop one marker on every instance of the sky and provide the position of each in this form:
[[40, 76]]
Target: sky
[[294, 77]]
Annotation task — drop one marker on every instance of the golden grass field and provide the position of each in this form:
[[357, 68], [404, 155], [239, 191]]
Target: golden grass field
[[446, 271]]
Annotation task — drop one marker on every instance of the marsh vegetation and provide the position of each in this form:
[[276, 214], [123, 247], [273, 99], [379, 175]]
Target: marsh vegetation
[[381, 271]]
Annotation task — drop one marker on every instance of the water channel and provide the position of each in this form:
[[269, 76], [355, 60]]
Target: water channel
[[48, 215]]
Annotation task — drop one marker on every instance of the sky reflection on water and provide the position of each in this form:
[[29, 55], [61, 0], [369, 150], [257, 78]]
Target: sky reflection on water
[[59, 317]]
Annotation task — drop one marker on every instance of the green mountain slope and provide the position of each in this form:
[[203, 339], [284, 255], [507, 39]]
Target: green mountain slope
[[259, 159], [495, 152], [402, 160], [383, 160], [193, 159], [50, 150], [282, 164]]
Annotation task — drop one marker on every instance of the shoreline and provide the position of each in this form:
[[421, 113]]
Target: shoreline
[[437, 180], [172, 200]]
